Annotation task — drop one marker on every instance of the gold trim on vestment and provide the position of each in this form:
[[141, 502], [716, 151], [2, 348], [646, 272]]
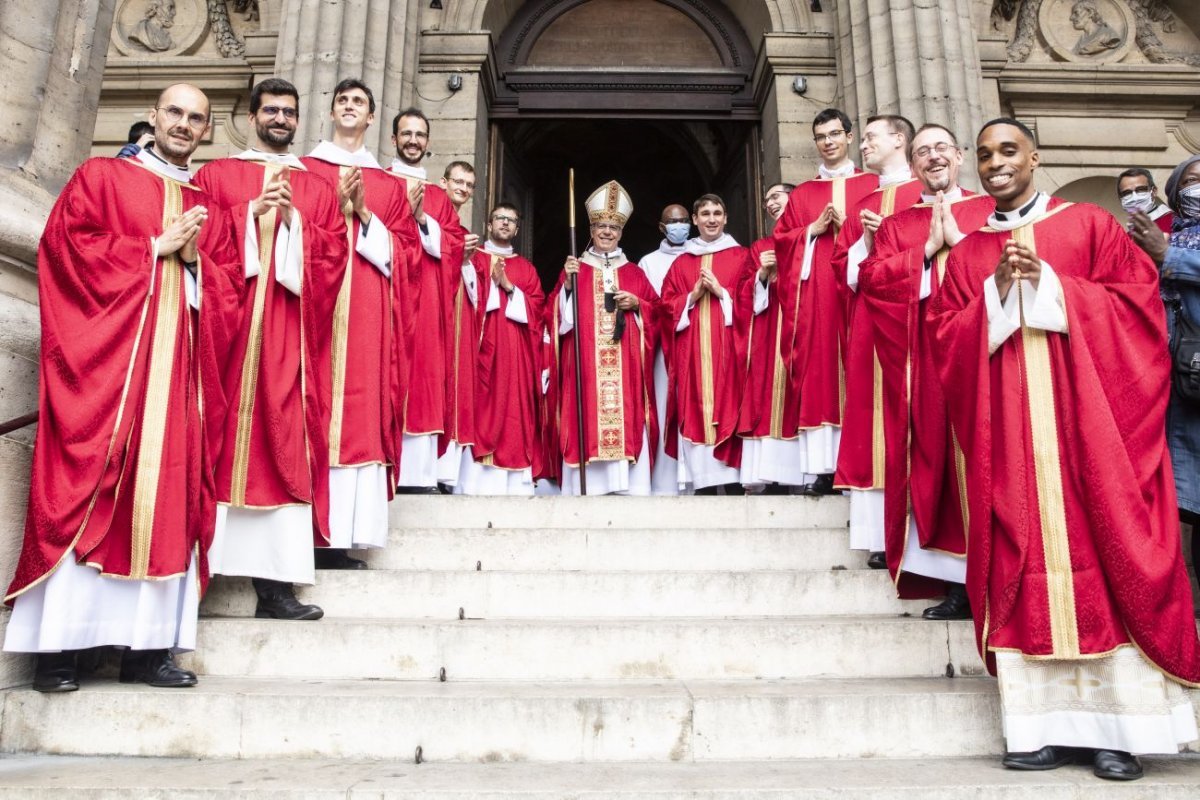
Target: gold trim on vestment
[[887, 204], [454, 432], [340, 343], [778, 379], [707, 390], [250, 364], [960, 470], [1039, 383], [838, 195], [610, 397], [158, 395], [878, 455]]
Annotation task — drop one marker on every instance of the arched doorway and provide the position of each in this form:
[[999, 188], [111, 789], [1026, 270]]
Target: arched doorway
[[653, 93]]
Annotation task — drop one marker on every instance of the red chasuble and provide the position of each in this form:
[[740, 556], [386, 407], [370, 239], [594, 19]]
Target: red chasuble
[[122, 463], [1073, 545], [814, 314], [922, 475], [618, 377], [704, 374], [861, 452], [276, 449], [435, 281], [762, 366], [368, 369], [509, 370]]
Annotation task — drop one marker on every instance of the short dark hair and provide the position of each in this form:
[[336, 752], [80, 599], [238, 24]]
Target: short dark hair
[[787, 187], [139, 129], [829, 115], [1016, 123], [898, 124], [345, 85], [276, 86], [930, 126], [411, 111], [505, 204], [1132, 172], [708, 197], [465, 166]]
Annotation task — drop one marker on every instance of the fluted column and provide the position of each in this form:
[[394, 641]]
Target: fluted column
[[320, 43], [913, 57]]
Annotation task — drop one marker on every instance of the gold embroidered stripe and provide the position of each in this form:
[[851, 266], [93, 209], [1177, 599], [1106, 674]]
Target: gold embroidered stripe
[[249, 384], [960, 470], [887, 205], [158, 395], [878, 459], [839, 194], [340, 343], [707, 391], [778, 381], [610, 397]]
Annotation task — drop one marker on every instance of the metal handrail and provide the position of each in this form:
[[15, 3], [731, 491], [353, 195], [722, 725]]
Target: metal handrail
[[18, 423]]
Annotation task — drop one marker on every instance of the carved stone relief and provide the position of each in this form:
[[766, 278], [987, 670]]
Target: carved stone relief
[[1087, 31], [150, 28]]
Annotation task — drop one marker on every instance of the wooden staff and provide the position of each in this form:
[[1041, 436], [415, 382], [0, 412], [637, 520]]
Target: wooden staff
[[583, 451]]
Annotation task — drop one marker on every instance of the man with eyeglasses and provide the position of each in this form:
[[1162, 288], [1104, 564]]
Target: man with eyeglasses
[[273, 475], [860, 465], [138, 278], [812, 342], [617, 307], [1138, 195], [675, 224], [508, 367], [770, 456], [923, 515], [436, 271], [368, 344]]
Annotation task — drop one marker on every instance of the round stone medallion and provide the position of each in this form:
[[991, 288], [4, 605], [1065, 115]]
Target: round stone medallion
[[1088, 31]]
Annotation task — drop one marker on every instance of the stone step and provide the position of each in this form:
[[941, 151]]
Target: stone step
[[99, 778], [400, 594], [556, 512], [469, 722], [636, 549], [586, 649]]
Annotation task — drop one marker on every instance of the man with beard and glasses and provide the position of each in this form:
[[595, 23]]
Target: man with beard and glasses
[[437, 269], [923, 513], [508, 367], [860, 465], [273, 476], [1050, 331], [138, 281], [368, 339]]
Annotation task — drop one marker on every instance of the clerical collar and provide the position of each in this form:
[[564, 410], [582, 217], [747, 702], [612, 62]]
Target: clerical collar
[[497, 249], [699, 247], [1008, 220], [400, 168], [1160, 210], [330, 152], [665, 246], [157, 163], [254, 154], [844, 171], [893, 178], [953, 194]]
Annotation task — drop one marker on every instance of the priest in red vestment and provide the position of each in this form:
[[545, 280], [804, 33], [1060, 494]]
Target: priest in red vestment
[[508, 363], [698, 299], [273, 476], [138, 284], [1050, 329], [369, 331], [771, 459], [860, 467], [617, 313], [436, 266], [925, 536], [814, 314]]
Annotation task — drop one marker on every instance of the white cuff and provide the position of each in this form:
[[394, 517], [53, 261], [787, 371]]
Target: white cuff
[[468, 279], [685, 318], [858, 254], [762, 296], [431, 241], [374, 243], [546, 380], [726, 306], [566, 314], [253, 265], [493, 301], [1003, 318], [1044, 306], [191, 287], [289, 255], [927, 279], [809, 251], [516, 310]]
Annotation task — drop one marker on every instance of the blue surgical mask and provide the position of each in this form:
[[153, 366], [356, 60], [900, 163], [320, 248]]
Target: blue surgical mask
[[677, 232], [1136, 201], [1189, 201]]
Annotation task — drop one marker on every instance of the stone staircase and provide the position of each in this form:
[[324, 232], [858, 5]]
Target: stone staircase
[[563, 647]]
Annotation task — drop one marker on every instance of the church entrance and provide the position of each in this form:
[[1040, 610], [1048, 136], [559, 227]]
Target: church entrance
[[655, 94]]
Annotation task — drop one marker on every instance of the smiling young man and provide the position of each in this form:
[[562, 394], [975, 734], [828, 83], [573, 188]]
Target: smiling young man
[[1051, 334]]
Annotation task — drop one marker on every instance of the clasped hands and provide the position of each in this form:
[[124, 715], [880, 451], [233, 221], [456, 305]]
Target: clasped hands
[[276, 194], [1019, 261], [182, 233], [626, 301], [707, 282], [943, 228]]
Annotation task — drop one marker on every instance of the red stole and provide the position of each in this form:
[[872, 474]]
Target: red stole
[[762, 366], [1073, 545]]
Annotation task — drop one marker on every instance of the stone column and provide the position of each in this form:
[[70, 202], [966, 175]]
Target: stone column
[[320, 43], [918, 58]]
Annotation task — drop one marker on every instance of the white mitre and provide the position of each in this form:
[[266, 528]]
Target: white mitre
[[610, 203]]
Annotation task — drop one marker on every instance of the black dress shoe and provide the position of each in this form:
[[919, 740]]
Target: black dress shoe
[[1116, 765], [823, 485], [277, 600], [55, 672], [877, 560], [155, 667], [1049, 757], [417, 490], [336, 558], [955, 606]]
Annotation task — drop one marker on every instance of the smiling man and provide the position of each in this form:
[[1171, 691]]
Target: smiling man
[[1050, 330]]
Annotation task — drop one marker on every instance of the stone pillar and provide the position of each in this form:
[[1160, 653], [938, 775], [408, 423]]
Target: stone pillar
[[320, 43], [918, 58]]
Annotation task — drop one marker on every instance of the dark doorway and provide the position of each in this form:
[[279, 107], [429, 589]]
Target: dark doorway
[[657, 161]]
